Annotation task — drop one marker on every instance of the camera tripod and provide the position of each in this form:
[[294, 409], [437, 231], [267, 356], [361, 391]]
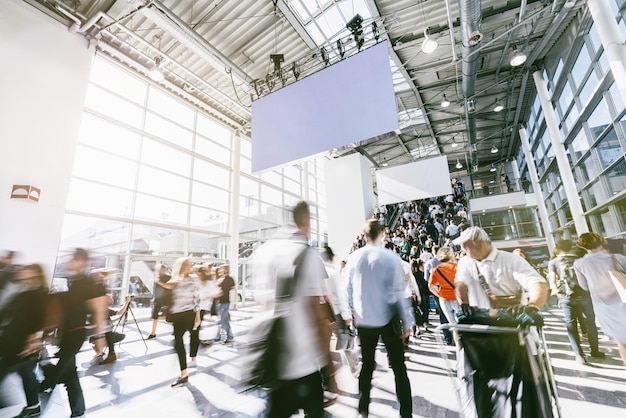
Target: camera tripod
[[124, 319]]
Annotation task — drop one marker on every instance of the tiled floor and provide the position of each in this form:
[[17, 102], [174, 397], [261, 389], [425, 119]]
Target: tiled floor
[[139, 383]]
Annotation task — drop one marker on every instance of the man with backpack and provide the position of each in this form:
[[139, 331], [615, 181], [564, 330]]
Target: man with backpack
[[574, 300]]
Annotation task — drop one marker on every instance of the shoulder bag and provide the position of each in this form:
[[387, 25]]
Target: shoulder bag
[[445, 278], [497, 302], [261, 356], [618, 276]]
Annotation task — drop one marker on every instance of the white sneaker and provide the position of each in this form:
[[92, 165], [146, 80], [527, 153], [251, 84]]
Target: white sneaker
[[192, 363], [97, 359]]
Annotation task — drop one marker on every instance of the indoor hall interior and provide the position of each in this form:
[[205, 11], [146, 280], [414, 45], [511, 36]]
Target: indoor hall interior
[[138, 384], [127, 128]]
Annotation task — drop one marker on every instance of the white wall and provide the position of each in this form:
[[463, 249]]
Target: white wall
[[42, 89], [349, 201]]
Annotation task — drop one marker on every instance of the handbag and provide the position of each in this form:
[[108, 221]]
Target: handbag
[[261, 355], [618, 276], [498, 302]]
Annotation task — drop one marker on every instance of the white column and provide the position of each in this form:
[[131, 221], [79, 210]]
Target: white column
[[45, 73], [534, 179], [235, 164], [559, 153], [612, 41], [349, 200]]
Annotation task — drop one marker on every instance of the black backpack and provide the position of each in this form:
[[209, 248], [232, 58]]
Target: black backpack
[[568, 283]]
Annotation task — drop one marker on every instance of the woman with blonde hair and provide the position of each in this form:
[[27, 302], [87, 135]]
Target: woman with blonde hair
[[441, 283], [185, 314], [592, 272]]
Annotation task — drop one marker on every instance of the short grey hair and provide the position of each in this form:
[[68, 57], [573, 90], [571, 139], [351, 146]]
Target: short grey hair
[[473, 233]]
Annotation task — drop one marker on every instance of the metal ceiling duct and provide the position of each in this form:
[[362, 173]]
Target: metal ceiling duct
[[168, 20], [470, 17]]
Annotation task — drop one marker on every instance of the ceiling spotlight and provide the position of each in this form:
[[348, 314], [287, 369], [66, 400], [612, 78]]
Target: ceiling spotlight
[[384, 163], [458, 164], [494, 149], [429, 45], [454, 144], [498, 107], [155, 73], [445, 102], [493, 168], [518, 58]]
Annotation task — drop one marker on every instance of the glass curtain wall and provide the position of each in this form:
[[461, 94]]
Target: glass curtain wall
[[151, 182], [592, 126]]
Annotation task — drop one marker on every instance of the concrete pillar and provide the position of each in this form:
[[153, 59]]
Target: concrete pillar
[[612, 40], [565, 170], [235, 158], [349, 200], [534, 179]]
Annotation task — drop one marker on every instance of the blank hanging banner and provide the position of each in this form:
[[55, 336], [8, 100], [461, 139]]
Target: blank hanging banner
[[352, 100], [419, 180]]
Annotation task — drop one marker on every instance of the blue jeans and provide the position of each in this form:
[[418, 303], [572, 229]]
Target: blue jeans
[[393, 343], [224, 324], [573, 308]]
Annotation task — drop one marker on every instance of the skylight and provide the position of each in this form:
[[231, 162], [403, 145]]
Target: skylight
[[325, 21]]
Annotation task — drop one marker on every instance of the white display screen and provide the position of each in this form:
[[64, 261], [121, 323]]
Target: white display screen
[[352, 100]]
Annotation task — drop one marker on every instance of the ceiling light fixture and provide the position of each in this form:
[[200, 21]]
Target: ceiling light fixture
[[385, 163], [498, 107], [445, 102], [458, 164], [155, 73], [493, 168], [454, 144], [518, 58], [429, 45], [334, 153], [494, 149]]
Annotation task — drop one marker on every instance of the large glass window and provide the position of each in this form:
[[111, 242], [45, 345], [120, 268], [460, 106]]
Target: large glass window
[[599, 119], [589, 169], [161, 169], [581, 67], [104, 135], [616, 178], [89, 197], [103, 167], [170, 131], [596, 193], [579, 145], [117, 80], [169, 107], [108, 104], [616, 97], [161, 183], [609, 149], [166, 157]]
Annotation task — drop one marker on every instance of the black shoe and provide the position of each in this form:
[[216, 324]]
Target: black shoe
[[30, 411], [151, 336], [180, 381], [597, 354]]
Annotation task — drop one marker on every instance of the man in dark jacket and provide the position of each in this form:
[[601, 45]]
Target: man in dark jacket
[[82, 298]]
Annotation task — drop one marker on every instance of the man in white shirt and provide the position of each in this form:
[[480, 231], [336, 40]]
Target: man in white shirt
[[306, 352], [504, 273], [375, 286]]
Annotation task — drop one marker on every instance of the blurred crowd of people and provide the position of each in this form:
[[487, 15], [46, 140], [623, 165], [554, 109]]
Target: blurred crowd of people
[[383, 291]]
